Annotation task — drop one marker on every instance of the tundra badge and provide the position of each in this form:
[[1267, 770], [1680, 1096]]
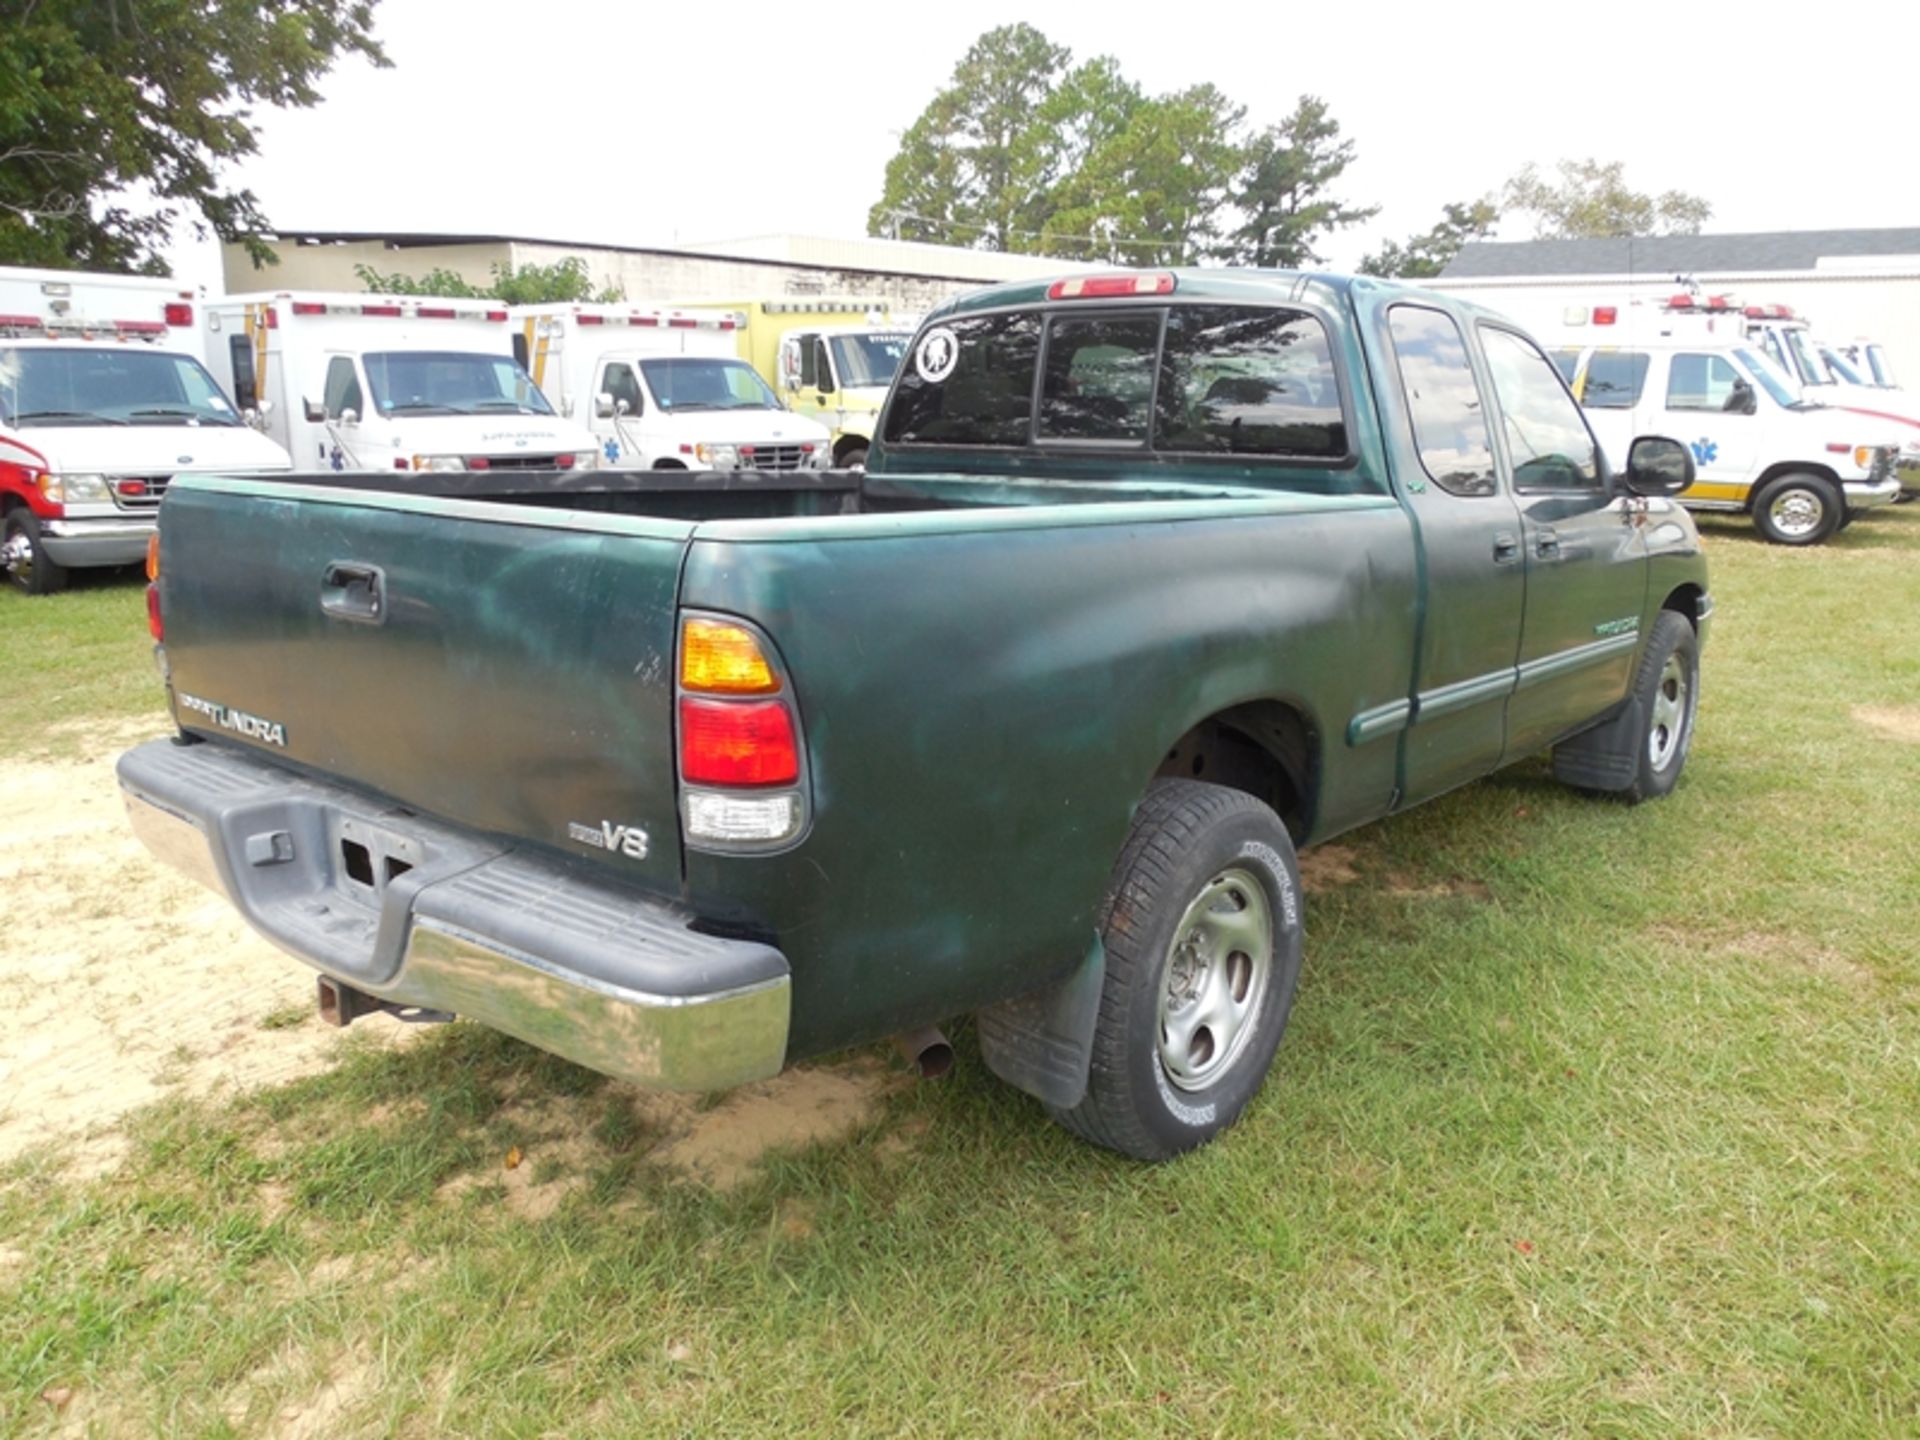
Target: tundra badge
[[628, 840]]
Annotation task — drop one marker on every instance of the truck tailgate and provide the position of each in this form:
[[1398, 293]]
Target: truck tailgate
[[506, 668]]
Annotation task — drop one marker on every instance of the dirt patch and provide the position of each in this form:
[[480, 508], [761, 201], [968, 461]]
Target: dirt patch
[[1772, 948], [1328, 867], [1896, 722], [725, 1145], [317, 1414], [1399, 882], [120, 981], [535, 1177]]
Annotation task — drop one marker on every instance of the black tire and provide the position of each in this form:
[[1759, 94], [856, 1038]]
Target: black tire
[[1189, 841], [1663, 739], [33, 572], [854, 459], [1786, 497]]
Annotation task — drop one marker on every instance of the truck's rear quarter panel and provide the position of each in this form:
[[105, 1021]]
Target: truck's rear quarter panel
[[984, 707], [521, 678]]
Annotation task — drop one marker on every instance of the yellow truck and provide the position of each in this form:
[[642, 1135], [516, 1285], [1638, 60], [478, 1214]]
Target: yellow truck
[[829, 359]]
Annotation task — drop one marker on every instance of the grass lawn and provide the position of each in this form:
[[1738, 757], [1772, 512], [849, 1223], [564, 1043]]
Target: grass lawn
[[1590, 1121]]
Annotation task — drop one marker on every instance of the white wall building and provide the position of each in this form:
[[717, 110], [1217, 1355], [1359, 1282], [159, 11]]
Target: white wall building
[[1849, 284]]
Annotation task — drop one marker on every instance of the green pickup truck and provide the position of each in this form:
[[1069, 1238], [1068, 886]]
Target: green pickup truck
[[1151, 579]]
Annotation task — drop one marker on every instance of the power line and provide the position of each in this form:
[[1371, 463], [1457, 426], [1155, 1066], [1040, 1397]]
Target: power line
[[896, 216]]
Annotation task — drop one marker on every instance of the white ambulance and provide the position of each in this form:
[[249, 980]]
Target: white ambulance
[[103, 400], [664, 389], [389, 382]]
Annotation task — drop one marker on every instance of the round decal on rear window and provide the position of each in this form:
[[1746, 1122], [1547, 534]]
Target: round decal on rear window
[[937, 354]]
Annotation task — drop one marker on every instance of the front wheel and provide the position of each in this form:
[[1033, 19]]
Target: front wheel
[[25, 557], [854, 459], [1798, 509], [1202, 929]]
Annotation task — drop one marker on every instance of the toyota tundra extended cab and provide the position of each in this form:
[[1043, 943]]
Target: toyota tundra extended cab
[[1152, 579]]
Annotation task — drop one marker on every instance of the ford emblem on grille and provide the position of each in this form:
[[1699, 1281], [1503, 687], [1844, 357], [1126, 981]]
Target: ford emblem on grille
[[184, 460]]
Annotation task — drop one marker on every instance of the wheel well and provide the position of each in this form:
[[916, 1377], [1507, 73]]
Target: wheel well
[[1266, 748], [846, 443], [668, 465], [1792, 467], [1685, 600]]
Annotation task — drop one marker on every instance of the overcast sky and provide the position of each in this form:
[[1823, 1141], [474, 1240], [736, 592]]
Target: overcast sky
[[631, 123]]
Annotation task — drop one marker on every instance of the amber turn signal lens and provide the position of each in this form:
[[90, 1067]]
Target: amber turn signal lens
[[721, 659], [153, 556]]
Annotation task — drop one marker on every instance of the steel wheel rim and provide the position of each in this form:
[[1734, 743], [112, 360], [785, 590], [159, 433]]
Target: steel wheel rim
[[16, 557], [1671, 698], [1797, 512], [1215, 979]]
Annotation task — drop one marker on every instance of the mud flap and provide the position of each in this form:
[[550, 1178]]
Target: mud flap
[[1607, 757], [1043, 1043]]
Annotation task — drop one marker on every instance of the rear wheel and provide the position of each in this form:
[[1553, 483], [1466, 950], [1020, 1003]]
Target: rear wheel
[[1202, 930], [1798, 509], [28, 567]]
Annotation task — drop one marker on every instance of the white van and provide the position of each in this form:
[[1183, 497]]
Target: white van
[[664, 389], [103, 400], [1801, 470], [389, 382]]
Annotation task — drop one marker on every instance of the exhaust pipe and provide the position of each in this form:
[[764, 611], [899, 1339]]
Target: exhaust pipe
[[926, 1050]]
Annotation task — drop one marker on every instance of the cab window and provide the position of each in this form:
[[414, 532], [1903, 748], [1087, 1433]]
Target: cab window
[[621, 383], [1705, 382], [343, 388], [1449, 419], [969, 381], [1615, 379], [1566, 361], [1547, 439], [1249, 380], [1098, 383]]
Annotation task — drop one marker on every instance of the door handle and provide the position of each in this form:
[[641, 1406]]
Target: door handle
[[355, 593], [1506, 546], [1545, 542]]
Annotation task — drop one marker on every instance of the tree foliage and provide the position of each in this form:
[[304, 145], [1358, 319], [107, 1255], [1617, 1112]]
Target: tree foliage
[[564, 280], [1024, 150], [1426, 254], [1594, 200], [99, 98]]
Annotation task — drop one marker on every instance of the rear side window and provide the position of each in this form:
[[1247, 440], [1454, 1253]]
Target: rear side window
[[1099, 377], [968, 382], [1703, 382], [240, 353], [1615, 379], [1449, 417], [1248, 380]]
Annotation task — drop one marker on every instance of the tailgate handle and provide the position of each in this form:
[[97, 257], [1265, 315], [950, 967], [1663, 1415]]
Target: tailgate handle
[[357, 593]]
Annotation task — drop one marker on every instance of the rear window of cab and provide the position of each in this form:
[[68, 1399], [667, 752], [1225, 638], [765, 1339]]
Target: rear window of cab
[[1180, 381]]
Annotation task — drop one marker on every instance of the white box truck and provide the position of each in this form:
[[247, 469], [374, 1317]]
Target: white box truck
[[103, 400], [664, 389], [389, 382]]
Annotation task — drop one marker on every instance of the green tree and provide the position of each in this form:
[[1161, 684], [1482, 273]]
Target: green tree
[[1150, 192], [103, 98], [1592, 199], [564, 280], [1282, 190], [1428, 253], [965, 172]]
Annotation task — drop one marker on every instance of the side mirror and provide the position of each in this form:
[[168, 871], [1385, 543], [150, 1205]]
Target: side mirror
[[1743, 401], [1657, 466], [316, 412], [603, 405]]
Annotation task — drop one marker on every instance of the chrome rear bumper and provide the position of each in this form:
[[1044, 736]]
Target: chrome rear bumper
[[577, 964]]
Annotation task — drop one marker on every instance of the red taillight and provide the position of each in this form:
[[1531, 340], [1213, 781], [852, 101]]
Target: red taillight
[[651, 322], [1106, 287], [179, 315], [563, 462], [435, 312], [391, 312], [309, 307], [728, 325], [1605, 314], [737, 742], [403, 465], [154, 626], [681, 322], [590, 319]]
